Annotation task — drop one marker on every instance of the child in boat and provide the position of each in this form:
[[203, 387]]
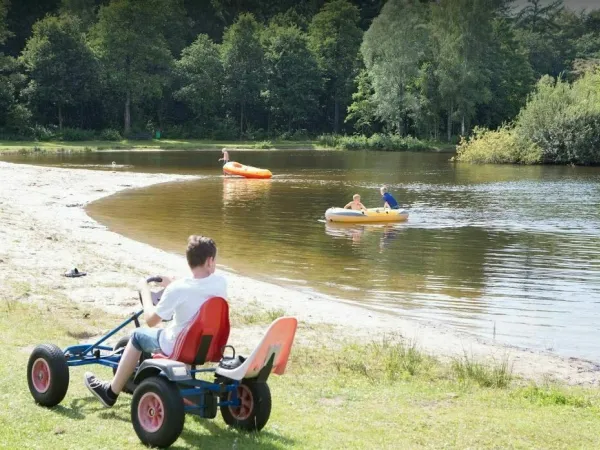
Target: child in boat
[[355, 203], [225, 157], [181, 301], [390, 201]]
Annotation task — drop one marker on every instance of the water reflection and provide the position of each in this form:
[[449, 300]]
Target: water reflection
[[515, 248], [236, 190]]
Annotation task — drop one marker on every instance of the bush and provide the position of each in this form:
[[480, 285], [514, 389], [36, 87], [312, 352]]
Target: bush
[[382, 142], [264, 145], [18, 119], [226, 130], [43, 133], [560, 124], [76, 134], [110, 134], [502, 146]]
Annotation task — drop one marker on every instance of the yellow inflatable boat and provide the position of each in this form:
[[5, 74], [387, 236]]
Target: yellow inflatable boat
[[372, 215]]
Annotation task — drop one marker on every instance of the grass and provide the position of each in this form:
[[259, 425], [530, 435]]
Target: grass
[[162, 144], [381, 394]]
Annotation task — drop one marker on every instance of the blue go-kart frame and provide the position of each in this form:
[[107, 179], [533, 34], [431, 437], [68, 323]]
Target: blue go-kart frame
[[164, 390]]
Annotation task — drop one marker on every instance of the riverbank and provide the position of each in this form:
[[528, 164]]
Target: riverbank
[[49, 203], [9, 147], [358, 377], [324, 143]]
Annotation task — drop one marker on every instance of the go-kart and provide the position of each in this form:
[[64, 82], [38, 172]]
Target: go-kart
[[166, 388]]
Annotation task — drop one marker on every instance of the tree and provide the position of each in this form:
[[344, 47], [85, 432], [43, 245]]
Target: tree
[[511, 76], [362, 111], [85, 10], [200, 73], [293, 78], [462, 36], [393, 51], [61, 67], [335, 38], [243, 63], [130, 41]]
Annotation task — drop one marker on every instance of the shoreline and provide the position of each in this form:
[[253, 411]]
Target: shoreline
[[44, 223]]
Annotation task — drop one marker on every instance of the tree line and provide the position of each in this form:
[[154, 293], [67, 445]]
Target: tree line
[[220, 69]]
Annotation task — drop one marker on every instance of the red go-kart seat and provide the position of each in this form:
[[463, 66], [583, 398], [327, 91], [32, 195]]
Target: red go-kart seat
[[204, 338]]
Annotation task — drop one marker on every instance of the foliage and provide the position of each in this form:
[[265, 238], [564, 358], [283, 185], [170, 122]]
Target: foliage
[[200, 75], [385, 142], [501, 146], [242, 57], [393, 50], [293, 77], [59, 63], [129, 39], [496, 375], [362, 111], [335, 38], [110, 135], [560, 124]]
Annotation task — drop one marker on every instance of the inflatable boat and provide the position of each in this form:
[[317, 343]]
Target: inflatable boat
[[371, 215], [235, 168]]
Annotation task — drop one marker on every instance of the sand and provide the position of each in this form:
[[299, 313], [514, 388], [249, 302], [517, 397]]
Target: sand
[[44, 231]]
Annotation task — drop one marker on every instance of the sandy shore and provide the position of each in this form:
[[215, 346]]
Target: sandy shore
[[44, 231]]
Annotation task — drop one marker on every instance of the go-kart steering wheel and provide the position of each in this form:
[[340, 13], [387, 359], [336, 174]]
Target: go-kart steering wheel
[[155, 295]]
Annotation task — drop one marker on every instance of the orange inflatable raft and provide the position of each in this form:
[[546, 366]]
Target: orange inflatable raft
[[235, 168]]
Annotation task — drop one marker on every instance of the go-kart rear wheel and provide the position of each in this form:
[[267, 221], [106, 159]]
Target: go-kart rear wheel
[[122, 343], [48, 375], [255, 409], [157, 412]]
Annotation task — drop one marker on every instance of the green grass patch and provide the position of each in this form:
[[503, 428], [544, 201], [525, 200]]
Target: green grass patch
[[154, 144], [490, 375], [335, 395]]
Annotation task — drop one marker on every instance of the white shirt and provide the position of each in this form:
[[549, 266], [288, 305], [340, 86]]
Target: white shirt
[[181, 301]]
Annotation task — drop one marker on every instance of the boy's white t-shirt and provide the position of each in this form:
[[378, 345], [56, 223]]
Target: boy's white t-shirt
[[181, 301]]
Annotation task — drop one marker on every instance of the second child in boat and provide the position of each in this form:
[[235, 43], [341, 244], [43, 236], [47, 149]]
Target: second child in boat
[[389, 200]]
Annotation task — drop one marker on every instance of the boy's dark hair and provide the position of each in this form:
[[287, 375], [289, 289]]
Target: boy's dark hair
[[199, 249]]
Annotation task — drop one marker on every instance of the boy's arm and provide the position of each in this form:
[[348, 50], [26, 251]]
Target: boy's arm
[[386, 205], [348, 205], [152, 319], [363, 206]]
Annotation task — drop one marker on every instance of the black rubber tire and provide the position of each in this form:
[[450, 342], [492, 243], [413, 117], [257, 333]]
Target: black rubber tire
[[59, 375], [259, 416], [122, 343], [173, 411]]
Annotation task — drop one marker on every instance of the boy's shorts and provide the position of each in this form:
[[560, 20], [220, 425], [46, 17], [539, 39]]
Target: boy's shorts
[[146, 339]]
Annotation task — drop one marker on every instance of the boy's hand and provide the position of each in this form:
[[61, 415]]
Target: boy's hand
[[141, 285], [166, 280]]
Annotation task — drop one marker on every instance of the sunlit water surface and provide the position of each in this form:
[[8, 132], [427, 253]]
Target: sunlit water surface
[[504, 252]]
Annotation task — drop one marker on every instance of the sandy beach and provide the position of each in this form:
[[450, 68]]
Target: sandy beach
[[44, 231]]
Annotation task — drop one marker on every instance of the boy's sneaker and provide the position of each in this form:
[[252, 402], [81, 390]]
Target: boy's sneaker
[[100, 389]]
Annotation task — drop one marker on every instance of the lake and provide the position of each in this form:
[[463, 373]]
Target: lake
[[504, 252]]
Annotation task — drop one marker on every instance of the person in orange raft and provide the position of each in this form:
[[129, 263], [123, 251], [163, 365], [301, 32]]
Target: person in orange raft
[[225, 157]]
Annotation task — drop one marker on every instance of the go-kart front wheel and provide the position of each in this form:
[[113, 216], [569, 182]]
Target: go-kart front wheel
[[48, 375], [157, 412], [254, 410]]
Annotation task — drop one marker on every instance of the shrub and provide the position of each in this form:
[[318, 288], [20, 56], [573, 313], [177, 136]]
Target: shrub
[[110, 134], [382, 142], [264, 145], [225, 130], [560, 124], [43, 133], [501, 146], [76, 134], [497, 375]]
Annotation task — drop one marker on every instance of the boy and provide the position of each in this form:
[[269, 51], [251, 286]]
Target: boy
[[180, 301], [390, 201], [225, 157], [355, 203]]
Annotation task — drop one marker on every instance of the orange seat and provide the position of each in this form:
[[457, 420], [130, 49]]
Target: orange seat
[[204, 338]]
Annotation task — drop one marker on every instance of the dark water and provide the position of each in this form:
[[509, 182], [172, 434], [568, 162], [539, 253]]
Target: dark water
[[511, 248]]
